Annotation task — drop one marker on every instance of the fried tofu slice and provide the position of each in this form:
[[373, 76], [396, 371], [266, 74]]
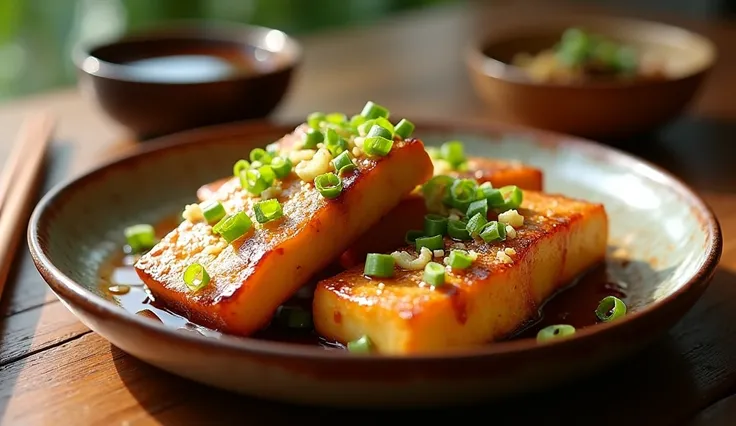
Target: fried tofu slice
[[560, 238], [250, 278], [410, 213]]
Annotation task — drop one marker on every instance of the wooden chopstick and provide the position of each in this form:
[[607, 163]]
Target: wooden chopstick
[[17, 186]]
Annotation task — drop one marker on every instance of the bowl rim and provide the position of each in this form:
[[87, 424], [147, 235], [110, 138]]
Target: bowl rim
[[489, 67], [80, 297], [86, 61]]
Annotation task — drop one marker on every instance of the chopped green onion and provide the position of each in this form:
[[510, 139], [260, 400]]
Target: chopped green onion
[[435, 191], [610, 308], [412, 235], [404, 128], [256, 165], [478, 206], [260, 154], [196, 277], [252, 181], [267, 174], [362, 345], [379, 265], [357, 120], [213, 211], [342, 160], [273, 149], [347, 169], [329, 185], [462, 193], [453, 152], [459, 259], [385, 124], [555, 332], [435, 242], [457, 230], [140, 237], [239, 166], [435, 224], [512, 197], [312, 137], [434, 274], [373, 110], [233, 226], [433, 152], [336, 118], [492, 195], [281, 167], [267, 210], [475, 224], [315, 119], [377, 146], [380, 131], [493, 231], [294, 317], [334, 143]]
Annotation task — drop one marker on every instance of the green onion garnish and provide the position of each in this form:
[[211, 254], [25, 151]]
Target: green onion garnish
[[362, 345], [478, 206], [312, 137], [453, 152], [610, 308], [252, 181], [196, 277], [379, 265], [380, 131], [267, 210], [336, 118], [373, 110], [233, 226], [377, 146], [459, 259], [315, 119], [334, 143], [140, 237], [435, 191], [281, 167], [260, 154], [490, 194], [555, 332], [493, 231], [342, 160], [462, 193], [239, 166], [434, 274], [213, 211], [404, 128], [267, 174], [357, 120], [412, 235], [347, 169], [475, 224], [435, 224], [435, 242], [329, 185], [512, 197], [293, 317], [457, 230]]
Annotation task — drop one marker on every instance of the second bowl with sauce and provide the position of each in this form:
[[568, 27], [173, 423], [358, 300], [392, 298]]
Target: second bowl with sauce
[[184, 76]]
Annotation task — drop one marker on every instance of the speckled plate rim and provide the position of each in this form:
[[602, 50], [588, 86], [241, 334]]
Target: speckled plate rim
[[97, 306]]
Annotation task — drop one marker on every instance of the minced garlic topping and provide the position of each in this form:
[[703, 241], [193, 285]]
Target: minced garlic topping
[[193, 213], [405, 261], [300, 155], [438, 253], [441, 166], [503, 257], [510, 232], [510, 251], [511, 217], [271, 192], [319, 164], [215, 249]]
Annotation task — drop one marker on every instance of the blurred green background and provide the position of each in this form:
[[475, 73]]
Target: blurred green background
[[36, 36]]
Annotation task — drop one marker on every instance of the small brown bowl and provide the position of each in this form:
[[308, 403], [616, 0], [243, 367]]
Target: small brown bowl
[[181, 77], [589, 109]]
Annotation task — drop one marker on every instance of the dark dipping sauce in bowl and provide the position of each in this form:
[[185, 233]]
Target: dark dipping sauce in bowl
[[574, 305]]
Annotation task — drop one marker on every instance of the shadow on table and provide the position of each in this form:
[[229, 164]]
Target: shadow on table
[[25, 293], [673, 378], [700, 151]]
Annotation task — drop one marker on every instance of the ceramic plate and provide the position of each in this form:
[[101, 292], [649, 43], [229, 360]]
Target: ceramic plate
[[664, 246]]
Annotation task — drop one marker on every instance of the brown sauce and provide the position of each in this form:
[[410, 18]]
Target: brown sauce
[[574, 305]]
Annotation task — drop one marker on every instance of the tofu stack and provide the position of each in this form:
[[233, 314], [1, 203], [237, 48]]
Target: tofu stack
[[548, 240]]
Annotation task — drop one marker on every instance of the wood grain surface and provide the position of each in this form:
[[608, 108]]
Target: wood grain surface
[[53, 370]]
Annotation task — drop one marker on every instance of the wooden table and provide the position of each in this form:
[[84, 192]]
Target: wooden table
[[55, 370]]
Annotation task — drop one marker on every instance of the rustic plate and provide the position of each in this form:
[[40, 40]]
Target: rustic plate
[[672, 239]]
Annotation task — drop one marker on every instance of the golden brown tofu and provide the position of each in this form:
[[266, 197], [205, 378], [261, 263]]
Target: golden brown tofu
[[560, 238], [253, 276]]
